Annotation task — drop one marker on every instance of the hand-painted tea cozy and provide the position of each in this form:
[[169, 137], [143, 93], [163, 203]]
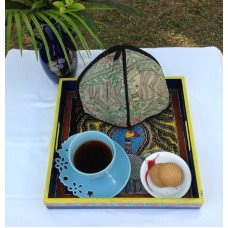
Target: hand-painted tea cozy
[[123, 86]]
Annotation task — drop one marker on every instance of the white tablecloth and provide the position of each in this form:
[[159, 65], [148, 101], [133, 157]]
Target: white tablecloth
[[30, 107]]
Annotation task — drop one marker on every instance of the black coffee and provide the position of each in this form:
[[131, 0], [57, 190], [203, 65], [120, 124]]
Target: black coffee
[[92, 157]]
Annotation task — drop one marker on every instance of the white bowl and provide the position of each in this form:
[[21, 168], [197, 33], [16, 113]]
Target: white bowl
[[166, 192]]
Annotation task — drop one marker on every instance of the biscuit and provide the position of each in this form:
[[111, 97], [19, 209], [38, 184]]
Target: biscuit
[[170, 174], [153, 173]]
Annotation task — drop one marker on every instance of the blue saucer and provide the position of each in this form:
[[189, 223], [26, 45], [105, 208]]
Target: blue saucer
[[105, 186]]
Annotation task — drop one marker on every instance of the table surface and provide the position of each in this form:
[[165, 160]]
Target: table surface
[[30, 108]]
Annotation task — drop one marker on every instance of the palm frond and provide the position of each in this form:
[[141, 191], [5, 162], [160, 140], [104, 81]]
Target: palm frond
[[29, 2], [9, 18], [82, 22], [53, 28], [88, 20], [75, 28], [62, 24], [38, 4], [19, 30], [118, 5], [72, 17], [43, 38], [29, 27]]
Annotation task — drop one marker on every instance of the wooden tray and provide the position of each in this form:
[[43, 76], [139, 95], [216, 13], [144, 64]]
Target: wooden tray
[[70, 119]]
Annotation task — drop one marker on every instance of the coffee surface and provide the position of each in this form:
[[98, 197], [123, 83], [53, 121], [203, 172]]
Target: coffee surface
[[92, 157]]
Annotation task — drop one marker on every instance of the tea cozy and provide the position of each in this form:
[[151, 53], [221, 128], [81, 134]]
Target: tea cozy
[[123, 86]]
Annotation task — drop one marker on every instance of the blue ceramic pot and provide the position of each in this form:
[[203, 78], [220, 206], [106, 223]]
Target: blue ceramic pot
[[58, 67]]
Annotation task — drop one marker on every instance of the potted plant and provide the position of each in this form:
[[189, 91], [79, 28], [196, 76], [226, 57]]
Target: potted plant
[[57, 29]]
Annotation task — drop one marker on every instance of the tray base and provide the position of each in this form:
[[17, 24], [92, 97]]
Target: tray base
[[166, 131]]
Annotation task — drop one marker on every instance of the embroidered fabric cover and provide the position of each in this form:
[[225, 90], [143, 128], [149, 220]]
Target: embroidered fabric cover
[[123, 86]]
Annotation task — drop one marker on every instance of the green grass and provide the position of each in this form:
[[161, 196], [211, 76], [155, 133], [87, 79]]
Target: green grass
[[164, 23]]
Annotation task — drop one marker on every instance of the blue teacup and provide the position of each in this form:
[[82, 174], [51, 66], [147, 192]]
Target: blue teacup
[[83, 138]]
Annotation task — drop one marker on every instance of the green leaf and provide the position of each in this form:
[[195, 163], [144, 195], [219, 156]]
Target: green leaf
[[88, 29], [37, 25], [28, 2], [88, 19], [53, 28], [118, 5], [8, 30], [58, 4], [29, 27], [74, 28], [77, 6], [69, 2], [61, 23], [38, 4], [62, 9], [124, 7], [19, 30]]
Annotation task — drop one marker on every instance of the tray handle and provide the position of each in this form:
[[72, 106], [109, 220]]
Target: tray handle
[[187, 134], [57, 136]]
